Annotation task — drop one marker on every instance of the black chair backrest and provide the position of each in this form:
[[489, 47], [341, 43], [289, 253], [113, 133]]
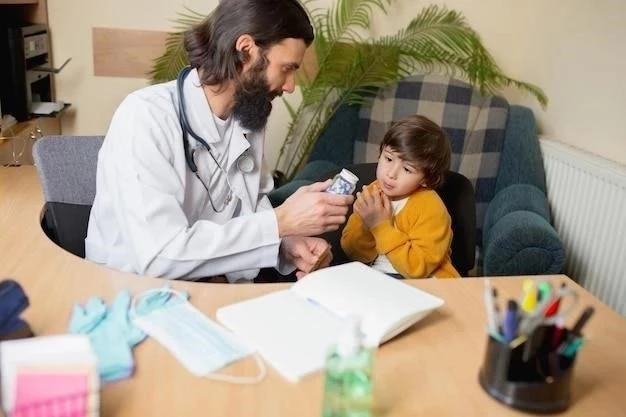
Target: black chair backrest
[[457, 194], [67, 171], [66, 225]]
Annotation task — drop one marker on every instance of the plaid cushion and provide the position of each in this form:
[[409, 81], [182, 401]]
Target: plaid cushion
[[475, 125]]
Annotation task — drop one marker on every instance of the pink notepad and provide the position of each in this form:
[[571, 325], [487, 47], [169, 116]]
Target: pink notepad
[[47, 394]]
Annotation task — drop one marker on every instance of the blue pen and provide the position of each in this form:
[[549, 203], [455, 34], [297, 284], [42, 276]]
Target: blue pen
[[510, 322]]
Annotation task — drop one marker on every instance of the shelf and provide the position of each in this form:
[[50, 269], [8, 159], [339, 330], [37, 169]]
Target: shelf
[[15, 129], [53, 114], [18, 2]]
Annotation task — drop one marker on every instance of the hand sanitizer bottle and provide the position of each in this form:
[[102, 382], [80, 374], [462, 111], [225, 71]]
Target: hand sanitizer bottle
[[348, 375]]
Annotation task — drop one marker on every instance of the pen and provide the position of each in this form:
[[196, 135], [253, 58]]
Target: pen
[[582, 320], [492, 308], [509, 324]]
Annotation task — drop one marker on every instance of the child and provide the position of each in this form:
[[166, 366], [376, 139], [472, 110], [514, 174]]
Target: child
[[399, 224]]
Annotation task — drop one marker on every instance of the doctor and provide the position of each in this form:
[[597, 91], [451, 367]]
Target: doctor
[[181, 185]]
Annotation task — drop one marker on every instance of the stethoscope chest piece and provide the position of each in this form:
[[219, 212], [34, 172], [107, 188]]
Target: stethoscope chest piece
[[245, 163]]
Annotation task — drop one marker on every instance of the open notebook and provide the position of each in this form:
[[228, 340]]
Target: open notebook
[[292, 329]]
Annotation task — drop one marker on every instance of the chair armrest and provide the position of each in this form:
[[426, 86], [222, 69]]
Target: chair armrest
[[278, 195], [312, 172], [521, 161], [518, 238], [514, 198]]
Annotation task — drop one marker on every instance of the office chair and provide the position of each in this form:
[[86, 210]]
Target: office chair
[[67, 170], [457, 194]]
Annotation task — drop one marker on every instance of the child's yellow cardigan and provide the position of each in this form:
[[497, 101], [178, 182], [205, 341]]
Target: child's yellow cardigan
[[418, 245]]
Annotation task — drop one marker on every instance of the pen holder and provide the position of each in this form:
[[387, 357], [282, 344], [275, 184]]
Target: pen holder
[[539, 383]]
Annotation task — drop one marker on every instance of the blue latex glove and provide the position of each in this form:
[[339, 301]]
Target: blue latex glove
[[156, 300], [111, 331]]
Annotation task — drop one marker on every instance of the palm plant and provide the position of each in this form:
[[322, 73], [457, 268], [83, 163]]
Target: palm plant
[[349, 65]]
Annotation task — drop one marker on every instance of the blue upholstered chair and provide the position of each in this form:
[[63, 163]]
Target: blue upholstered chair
[[494, 145]]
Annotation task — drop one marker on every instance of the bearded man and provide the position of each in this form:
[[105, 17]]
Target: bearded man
[[181, 183]]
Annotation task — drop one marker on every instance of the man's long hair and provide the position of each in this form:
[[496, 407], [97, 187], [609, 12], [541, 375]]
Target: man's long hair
[[210, 45]]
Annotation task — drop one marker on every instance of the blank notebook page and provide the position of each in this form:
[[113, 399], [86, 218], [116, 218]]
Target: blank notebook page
[[291, 333], [386, 305]]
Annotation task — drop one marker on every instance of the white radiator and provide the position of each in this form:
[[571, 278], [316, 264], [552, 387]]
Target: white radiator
[[587, 196]]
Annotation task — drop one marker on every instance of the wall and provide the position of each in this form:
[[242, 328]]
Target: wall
[[95, 98], [575, 50], [571, 48]]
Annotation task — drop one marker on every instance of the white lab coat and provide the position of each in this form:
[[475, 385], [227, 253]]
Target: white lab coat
[[152, 216]]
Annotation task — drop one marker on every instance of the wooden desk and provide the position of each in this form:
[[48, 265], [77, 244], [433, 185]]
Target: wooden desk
[[429, 371]]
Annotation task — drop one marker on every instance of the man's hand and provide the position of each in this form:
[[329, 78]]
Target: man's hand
[[373, 206], [306, 253], [312, 211]]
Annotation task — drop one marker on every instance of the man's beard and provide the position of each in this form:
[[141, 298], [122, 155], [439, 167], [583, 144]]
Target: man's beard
[[253, 98]]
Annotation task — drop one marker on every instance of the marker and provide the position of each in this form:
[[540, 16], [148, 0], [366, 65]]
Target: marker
[[535, 318], [529, 299], [570, 349], [544, 290], [509, 325], [554, 305]]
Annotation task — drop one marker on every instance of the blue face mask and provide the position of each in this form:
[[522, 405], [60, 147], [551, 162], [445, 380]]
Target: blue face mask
[[199, 343]]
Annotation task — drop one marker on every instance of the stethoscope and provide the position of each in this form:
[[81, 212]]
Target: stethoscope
[[245, 163]]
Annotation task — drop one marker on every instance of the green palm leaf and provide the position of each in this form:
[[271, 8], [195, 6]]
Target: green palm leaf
[[350, 66], [340, 23], [436, 40], [167, 66]]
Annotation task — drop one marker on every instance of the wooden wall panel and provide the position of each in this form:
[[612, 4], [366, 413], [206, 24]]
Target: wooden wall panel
[[125, 52], [130, 53]]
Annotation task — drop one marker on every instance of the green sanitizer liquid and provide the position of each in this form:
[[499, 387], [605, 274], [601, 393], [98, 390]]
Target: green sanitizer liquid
[[348, 376]]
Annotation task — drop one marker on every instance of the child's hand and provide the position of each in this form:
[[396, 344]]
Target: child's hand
[[373, 206], [306, 253]]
